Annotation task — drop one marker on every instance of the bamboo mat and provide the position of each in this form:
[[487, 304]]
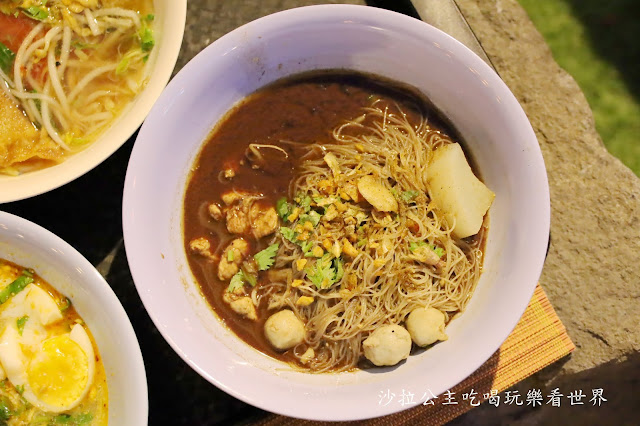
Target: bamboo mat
[[538, 340]]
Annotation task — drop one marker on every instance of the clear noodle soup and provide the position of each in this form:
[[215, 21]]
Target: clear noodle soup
[[67, 70]]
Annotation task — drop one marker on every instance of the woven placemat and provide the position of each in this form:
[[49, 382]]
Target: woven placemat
[[538, 340]]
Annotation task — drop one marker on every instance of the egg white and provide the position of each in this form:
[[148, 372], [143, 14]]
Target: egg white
[[37, 304]]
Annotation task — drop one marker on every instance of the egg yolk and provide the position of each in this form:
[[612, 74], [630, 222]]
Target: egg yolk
[[58, 374]]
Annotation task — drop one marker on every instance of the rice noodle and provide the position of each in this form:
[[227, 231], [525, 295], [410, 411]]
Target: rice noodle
[[391, 281]]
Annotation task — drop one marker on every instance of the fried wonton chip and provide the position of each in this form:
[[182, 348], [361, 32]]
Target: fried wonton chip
[[19, 139]]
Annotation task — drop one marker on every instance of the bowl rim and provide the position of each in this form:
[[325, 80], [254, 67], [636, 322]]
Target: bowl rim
[[33, 183], [314, 13], [37, 236]]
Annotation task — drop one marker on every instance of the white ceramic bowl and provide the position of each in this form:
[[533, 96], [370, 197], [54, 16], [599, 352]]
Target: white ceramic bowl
[[169, 24], [30, 245], [460, 84]]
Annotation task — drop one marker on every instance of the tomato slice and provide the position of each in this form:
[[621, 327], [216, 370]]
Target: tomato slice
[[13, 30]]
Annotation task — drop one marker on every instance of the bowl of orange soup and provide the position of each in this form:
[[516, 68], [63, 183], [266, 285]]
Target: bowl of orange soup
[[68, 352]]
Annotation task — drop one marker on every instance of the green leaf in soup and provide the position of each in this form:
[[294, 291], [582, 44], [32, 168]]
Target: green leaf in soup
[[6, 58]]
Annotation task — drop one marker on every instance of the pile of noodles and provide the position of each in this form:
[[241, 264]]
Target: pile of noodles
[[390, 282], [60, 104]]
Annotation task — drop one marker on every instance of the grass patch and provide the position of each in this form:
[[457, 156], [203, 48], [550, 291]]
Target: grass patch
[[596, 42]]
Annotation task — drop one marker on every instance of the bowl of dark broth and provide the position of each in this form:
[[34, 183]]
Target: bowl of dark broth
[[333, 202]]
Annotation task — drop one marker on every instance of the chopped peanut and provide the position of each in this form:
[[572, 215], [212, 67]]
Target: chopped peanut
[[327, 244], [331, 213], [336, 250], [344, 195], [308, 226], [304, 301], [340, 206], [359, 147], [298, 228], [352, 281], [317, 251], [378, 262], [304, 236], [348, 249], [294, 214], [300, 264], [352, 190], [325, 186], [296, 283], [229, 173]]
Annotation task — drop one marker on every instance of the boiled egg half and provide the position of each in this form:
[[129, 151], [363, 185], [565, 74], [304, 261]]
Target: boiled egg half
[[53, 372]]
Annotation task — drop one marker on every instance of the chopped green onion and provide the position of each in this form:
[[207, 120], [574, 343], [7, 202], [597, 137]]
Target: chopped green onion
[[413, 246], [146, 38], [407, 196], [67, 304], [230, 255], [20, 324], [15, 287], [150, 17], [123, 65]]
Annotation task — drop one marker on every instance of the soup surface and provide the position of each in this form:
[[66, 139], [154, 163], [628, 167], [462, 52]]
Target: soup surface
[[67, 70], [311, 200], [50, 367]]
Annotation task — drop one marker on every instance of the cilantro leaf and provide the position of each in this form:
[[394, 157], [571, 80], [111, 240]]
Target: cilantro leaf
[[237, 281], [35, 12], [305, 202], [306, 247], [266, 257], [322, 274], [20, 323], [408, 196], [288, 234], [283, 208], [313, 217], [6, 58]]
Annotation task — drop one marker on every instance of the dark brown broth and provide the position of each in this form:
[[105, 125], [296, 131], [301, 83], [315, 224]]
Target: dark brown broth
[[305, 108]]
